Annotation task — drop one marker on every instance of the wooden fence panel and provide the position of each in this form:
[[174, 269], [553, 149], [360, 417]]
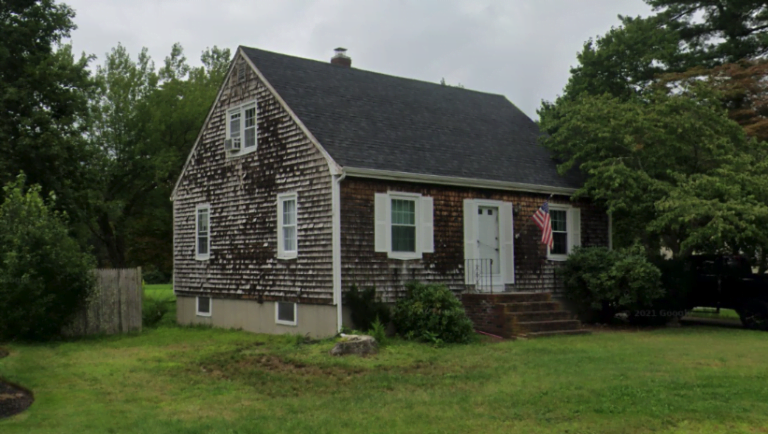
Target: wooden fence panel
[[115, 305]]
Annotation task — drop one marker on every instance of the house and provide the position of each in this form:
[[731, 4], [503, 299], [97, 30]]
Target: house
[[308, 177]]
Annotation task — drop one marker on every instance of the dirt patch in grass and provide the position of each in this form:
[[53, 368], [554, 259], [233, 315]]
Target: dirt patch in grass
[[13, 399]]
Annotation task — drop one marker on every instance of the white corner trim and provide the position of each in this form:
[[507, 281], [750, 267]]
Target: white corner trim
[[295, 321], [455, 181], [332, 165], [197, 307], [336, 245]]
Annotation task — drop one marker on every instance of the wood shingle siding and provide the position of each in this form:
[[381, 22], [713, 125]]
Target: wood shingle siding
[[242, 193], [362, 266]]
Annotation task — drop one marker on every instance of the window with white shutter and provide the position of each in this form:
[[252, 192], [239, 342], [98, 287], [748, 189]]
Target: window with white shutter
[[241, 134], [404, 227], [566, 231]]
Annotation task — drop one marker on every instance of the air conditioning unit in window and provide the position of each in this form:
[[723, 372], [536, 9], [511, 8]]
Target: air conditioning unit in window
[[232, 145]]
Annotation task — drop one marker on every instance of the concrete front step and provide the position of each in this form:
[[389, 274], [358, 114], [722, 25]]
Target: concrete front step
[[556, 333], [521, 328], [546, 315], [535, 306]]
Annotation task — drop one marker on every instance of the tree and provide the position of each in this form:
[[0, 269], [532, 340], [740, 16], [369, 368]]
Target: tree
[[45, 278], [644, 156], [144, 123], [43, 107], [717, 31]]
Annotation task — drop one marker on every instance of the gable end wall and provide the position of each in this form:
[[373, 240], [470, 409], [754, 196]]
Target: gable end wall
[[242, 192]]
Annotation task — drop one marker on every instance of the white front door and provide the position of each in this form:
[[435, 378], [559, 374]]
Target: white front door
[[488, 245]]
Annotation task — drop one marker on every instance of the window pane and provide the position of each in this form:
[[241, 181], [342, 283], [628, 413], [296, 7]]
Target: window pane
[[285, 312], [289, 212], [250, 117], [204, 304], [202, 245], [403, 238], [559, 219], [202, 221], [289, 238], [403, 212], [234, 124], [250, 137], [560, 245]]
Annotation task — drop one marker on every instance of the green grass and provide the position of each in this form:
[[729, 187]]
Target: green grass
[[705, 312], [203, 380], [160, 294]]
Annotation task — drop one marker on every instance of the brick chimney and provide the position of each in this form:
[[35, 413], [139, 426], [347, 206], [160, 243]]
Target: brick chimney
[[341, 58]]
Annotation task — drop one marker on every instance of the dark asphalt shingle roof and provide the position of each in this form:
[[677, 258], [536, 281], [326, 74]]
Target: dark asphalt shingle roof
[[375, 121]]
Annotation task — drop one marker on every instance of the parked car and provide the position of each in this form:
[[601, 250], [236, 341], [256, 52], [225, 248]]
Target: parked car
[[728, 282]]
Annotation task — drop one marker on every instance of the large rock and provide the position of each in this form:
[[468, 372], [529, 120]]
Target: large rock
[[360, 345]]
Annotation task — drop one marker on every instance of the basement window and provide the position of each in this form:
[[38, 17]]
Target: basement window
[[203, 306], [285, 313]]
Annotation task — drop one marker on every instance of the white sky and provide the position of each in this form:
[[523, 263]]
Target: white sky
[[519, 48]]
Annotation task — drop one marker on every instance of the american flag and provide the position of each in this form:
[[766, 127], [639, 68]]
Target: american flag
[[541, 217]]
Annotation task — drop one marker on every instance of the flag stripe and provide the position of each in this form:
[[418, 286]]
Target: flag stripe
[[542, 220]]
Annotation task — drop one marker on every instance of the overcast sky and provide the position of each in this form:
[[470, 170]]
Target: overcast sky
[[519, 48]]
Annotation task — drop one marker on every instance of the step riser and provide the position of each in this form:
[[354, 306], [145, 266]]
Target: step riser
[[554, 334], [546, 326], [532, 307], [556, 315]]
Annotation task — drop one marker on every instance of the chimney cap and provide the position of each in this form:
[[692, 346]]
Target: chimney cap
[[340, 51]]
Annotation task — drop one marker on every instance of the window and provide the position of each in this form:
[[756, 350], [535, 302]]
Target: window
[[559, 219], [285, 313], [566, 231], [203, 306], [241, 128], [202, 232], [403, 225], [287, 226]]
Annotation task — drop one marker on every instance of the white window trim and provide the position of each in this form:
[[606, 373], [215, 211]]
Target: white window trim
[[197, 306], [281, 252], [295, 321], [241, 108], [198, 256], [569, 231], [417, 254]]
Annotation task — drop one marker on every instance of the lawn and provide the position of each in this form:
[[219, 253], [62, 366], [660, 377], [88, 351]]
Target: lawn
[[201, 380], [705, 312]]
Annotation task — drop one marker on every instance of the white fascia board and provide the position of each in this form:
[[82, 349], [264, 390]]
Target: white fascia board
[[456, 181]]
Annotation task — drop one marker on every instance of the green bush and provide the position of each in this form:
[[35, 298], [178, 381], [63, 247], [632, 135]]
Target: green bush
[[153, 310], [153, 276], [365, 307], [432, 313], [379, 332], [45, 279], [603, 282]]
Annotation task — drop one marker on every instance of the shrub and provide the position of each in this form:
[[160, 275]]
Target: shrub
[[603, 282], [378, 331], [45, 279], [365, 307], [154, 276], [153, 310], [432, 313]]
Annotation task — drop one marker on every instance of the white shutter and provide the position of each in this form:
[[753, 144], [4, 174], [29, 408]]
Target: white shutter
[[470, 239], [381, 217], [280, 247], [507, 234], [427, 235], [574, 229]]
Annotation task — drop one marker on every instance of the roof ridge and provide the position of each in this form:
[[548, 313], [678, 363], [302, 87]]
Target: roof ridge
[[366, 71]]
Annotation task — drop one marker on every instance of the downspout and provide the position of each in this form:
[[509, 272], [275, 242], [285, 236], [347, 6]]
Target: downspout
[[336, 245]]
